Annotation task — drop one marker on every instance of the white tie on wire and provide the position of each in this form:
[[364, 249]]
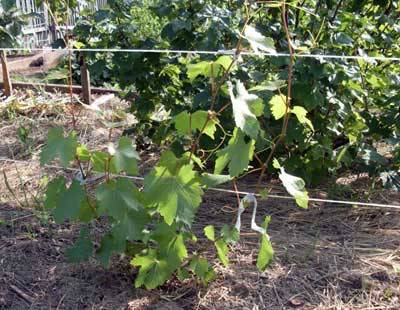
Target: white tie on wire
[[249, 198]]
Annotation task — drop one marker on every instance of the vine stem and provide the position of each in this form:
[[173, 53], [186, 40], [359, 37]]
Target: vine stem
[[216, 87], [282, 135]]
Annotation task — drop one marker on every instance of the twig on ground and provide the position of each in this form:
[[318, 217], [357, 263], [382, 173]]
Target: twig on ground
[[21, 294]]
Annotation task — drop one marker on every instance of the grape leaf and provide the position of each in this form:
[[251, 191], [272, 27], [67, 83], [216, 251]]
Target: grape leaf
[[184, 122], [69, 202], [258, 42], [58, 146], [83, 153], [117, 197], [225, 61], [103, 162], [54, 189], [244, 117], [132, 225], [202, 269], [236, 155], [157, 266], [208, 68], [82, 248], [209, 232], [86, 211], [210, 180], [170, 243], [278, 106], [200, 68], [301, 115], [229, 235], [109, 244], [265, 254], [295, 187], [222, 251], [126, 157], [175, 195], [153, 271]]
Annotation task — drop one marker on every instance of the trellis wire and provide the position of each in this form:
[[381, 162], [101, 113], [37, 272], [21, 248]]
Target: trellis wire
[[203, 52], [223, 190]]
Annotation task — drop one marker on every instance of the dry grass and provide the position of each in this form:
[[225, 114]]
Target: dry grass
[[327, 257]]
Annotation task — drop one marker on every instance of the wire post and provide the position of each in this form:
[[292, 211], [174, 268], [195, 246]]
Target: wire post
[[6, 74], [85, 81]]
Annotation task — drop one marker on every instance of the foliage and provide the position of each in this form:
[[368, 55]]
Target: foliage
[[341, 106], [11, 22], [234, 112]]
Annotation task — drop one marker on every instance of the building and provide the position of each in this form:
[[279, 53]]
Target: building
[[41, 30]]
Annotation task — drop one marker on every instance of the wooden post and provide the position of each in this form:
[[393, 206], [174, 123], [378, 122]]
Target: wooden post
[[85, 81], [6, 74]]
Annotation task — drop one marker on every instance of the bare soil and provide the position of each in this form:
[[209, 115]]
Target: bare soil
[[21, 65], [327, 257]]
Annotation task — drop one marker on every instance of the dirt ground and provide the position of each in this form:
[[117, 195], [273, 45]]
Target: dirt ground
[[327, 257], [21, 65]]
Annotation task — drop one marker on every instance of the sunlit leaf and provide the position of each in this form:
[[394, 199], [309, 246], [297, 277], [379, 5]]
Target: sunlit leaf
[[295, 187], [244, 117], [278, 106], [236, 155]]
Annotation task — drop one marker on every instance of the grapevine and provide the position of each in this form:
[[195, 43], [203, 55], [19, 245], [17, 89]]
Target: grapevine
[[224, 123]]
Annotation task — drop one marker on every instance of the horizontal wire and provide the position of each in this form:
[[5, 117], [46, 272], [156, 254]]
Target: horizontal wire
[[228, 191], [203, 52]]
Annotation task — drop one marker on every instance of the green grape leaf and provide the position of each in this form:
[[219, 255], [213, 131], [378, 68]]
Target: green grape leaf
[[170, 243], [265, 254], [58, 146], [258, 42], [175, 195], [186, 156], [210, 180], [82, 249], [225, 61], [276, 164], [278, 106], [301, 115], [209, 232], [230, 235], [244, 117], [54, 189], [117, 197], [202, 269], [157, 266], [69, 202], [182, 274], [222, 251], [103, 162], [209, 68], [153, 272], [86, 211], [236, 155], [200, 68], [132, 225], [109, 244], [185, 123], [126, 157], [269, 86], [295, 187], [83, 153]]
